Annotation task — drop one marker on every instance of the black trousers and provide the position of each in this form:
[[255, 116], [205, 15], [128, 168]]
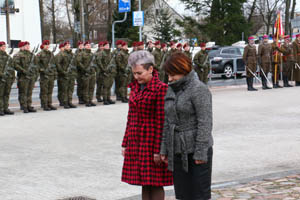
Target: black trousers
[[196, 183]]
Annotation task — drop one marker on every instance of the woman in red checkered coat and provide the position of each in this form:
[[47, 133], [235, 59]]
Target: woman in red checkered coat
[[141, 142]]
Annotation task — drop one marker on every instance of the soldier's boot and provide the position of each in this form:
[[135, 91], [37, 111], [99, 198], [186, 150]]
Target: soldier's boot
[[25, 110], [66, 105], [248, 83], [81, 101], [52, 107], [297, 83], [286, 82], [124, 100], [92, 103], [111, 101], [31, 109], [105, 101], [99, 99], [263, 83], [251, 84], [72, 105], [46, 108], [8, 112]]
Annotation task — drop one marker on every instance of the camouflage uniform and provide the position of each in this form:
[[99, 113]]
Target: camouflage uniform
[[158, 55], [78, 80], [188, 54], [107, 69], [47, 69], [7, 78], [123, 73], [87, 74], [72, 74], [99, 80], [202, 65], [62, 64], [117, 78], [22, 63]]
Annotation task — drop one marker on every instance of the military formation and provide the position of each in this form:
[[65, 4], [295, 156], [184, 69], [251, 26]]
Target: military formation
[[281, 59], [91, 72]]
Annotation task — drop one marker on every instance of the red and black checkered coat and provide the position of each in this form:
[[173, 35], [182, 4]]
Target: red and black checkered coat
[[143, 135]]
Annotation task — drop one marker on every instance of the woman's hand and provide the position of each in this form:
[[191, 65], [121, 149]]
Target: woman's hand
[[164, 158], [157, 159], [123, 151], [199, 162]]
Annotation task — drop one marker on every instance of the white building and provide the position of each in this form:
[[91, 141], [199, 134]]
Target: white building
[[25, 24]]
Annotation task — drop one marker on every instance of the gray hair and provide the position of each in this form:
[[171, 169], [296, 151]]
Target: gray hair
[[140, 57]]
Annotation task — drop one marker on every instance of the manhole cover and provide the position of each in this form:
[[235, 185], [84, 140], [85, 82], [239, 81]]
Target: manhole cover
[[77, 198]]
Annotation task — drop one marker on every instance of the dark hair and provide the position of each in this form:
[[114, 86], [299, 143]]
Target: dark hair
[[178, 63]]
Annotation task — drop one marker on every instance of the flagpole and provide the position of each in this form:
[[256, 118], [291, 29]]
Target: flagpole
[[276, 56]]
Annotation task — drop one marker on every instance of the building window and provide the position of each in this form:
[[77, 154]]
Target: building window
[[11, 4]]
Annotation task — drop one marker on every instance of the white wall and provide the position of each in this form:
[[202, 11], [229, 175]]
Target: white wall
[[24, 25]]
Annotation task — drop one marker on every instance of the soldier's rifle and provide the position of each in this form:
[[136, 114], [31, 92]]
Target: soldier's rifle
[[71, 67], [7, 69], [91, 66], [111, 64], [51, 65], [32, 67]]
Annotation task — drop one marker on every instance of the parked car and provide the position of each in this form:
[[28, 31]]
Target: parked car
[[222, 60]]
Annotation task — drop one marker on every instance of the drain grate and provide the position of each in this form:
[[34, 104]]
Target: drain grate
[[78, 198]]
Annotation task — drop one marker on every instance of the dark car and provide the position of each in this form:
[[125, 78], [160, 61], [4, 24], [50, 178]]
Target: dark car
[[222, 61]]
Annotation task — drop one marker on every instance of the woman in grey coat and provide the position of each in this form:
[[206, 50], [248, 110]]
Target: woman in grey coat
[[187, 136]]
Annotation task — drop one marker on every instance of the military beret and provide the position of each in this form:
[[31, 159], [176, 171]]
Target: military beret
[[61, 45], [87, 42], [67, 42], [2, 43], [203, 44], [172, 43], [124, 43], [119, 42], [100, 44], [157, 43], [179, 45], [21, 44], [251, 38], [185, 45], [141, 43], [134, 44], [79, 43], [46, 42], [163, 45], [105, 43], [298, 35], [26, 43]]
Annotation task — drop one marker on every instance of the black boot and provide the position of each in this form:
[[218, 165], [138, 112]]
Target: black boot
[[297, 83], [92, 104], [52, 107], [31, 109], [263, 83], [66, 106], [8, 112], [248, 83], [124, 100], [111, 101], [81, 101], [72, 105], [99, 100], [251, 84], [25, 110], [46, 108]]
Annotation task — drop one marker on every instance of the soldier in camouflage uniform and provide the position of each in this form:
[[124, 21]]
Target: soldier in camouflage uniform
[[117, 78], [62, 64], [179, 47], [288, 60], [140, 45], [45, 61], [134, 47], [264, 60], [202, 64], [157, 53], [172, 50], [296, 52], [250, 60], [22, 64], [186, 48], [7, 77], [123, 72], [150, 46], [164, 50], [99, 77], [78, 80], [107, 68], [72, 74], [87, 73]]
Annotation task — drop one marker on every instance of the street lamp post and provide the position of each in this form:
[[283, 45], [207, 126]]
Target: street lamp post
[[140, 28], [7, 23]]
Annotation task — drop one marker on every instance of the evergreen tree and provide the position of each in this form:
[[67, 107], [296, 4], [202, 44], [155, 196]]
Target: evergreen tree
[[164, 27]]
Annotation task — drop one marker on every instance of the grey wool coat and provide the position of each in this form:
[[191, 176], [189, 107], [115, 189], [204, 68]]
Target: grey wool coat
[[188, 120]]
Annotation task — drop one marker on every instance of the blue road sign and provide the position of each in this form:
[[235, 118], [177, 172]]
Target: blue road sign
[[138, 18], [124, 6]]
